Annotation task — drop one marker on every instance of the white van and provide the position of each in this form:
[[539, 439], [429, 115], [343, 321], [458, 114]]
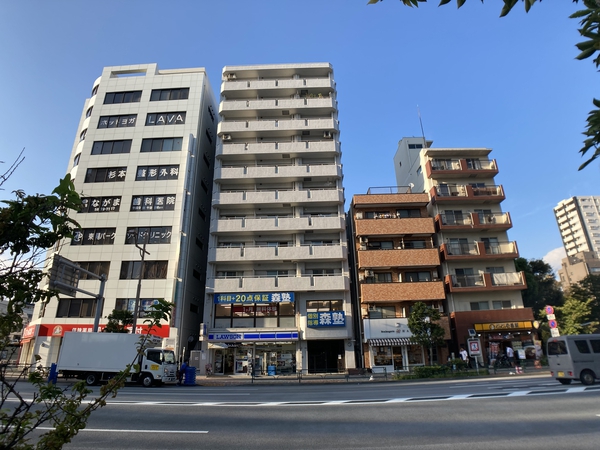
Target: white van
[[574, 357]]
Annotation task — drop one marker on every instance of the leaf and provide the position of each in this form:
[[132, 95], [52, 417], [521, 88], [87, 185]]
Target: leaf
[[586, 54]]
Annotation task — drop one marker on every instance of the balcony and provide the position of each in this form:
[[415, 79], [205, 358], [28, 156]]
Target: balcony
[[268, 284], [473, 221], [398, 258], [280, 86], [461, 168], [251, 108], [277, 224], [394, 226], [292, 197], [478, 251], [486, 282], [292, 149], [254, 171], [453, 194], [395, 292], [282, 127], [252, 253]]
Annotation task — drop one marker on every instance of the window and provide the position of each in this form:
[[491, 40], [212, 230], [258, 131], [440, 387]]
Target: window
[[479, 306], [382, 312], [382, 245], [595, 345], [501, 304], [153, 202], [169, 94], [100, 204], [406, 213], [174, 118], [82, 135], [122, 97], [96, 267], [95, 90], [206, 161], [411, 277], [162, 145], [415, 146], [151, 235], [105, 174], [76, 307], [94, 236], [111, 147], [88, 113], [557, 348], [582, 346], [414, 244], [127, 120], [324, 305], [271, 315], [211, 113], [128, 304], [204, 187], [150, 173], [152, 270], [76, 159], [209, 136]]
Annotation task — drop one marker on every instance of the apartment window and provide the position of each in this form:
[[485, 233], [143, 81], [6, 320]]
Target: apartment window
[[111, 147], [414, 244], [206, 161], [204, 186], [122, 97], [199, 244], [169, 94], [382, 312], [385, 277], [270, 315], [76, 159], [151, 235], [105, 174], [152, 270], [127, 120], [94, 236], [100, 204], [411, 277], [377, 215], [88, 113], [151, 173], [209, 136], [97, 267], [408, 213], [324, 305], [382, 245], [76, 307], [170, 118], [479, 306], [415, 146], [501, 304], [82, 135], [128, 304], [201, 214], [211, 113], [95, 90], [162, 145], [153, 202]]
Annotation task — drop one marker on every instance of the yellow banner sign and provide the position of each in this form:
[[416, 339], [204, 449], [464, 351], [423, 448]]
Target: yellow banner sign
[[504, 326]]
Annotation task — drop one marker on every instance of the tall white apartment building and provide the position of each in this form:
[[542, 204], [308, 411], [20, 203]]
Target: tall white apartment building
[[578, 221], [143, 161], [278, 279], [483, 288]]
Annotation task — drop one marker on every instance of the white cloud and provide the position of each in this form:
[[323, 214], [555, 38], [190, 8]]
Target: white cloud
[[554, 258]]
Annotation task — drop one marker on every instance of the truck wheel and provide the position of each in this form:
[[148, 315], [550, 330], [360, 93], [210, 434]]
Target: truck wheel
[[147, 380], [587, 377], [564, 381], [91, 379]]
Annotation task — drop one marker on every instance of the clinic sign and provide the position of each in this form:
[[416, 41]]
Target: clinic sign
[[255, 297], [326, 319]]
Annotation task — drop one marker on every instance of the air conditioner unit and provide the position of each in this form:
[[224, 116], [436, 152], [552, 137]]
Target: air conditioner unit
[[372, 308], [231, 76], [369, 273], [327, 135], [362, 240], [226, 137]]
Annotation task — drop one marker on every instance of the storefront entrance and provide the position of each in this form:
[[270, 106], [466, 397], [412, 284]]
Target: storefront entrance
[[326, 356], [263, 358]]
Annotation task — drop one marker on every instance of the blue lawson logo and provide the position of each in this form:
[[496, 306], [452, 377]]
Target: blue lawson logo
[[253, 336]]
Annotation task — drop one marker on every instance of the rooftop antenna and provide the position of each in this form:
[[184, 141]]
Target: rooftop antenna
[[422, 132]]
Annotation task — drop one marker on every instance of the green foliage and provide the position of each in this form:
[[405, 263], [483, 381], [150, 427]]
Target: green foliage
[[118, 321], [590, 30], [431, 371], [586, 289], [423, 325], [574, 317], [542, 287]]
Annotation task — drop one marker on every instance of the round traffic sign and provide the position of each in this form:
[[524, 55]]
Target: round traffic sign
[[552, 323], [549, 310]]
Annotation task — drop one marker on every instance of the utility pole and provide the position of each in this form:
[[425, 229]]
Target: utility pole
[[143, 253]]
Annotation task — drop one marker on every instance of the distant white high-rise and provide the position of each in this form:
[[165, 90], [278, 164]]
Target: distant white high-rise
[[578, 221]]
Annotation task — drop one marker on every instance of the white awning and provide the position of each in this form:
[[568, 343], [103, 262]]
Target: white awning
[[391, 341]]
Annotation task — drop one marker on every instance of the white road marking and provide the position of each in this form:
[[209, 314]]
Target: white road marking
[[111, 430]]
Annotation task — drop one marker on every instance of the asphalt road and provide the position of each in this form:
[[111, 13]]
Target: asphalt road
[[508, 413]]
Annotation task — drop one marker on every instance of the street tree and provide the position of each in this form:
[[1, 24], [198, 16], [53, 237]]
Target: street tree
[[542, 287], [588, 288], [30, 225], [118, 321], [589, 21], [423, 323], [575, 317]]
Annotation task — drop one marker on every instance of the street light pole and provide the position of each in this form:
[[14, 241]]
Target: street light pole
[[143, 253]]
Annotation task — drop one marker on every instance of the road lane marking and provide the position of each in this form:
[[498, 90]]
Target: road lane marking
[[112, 430]]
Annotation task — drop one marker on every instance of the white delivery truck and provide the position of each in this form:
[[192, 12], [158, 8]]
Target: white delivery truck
[[96, 357], [574, 357]]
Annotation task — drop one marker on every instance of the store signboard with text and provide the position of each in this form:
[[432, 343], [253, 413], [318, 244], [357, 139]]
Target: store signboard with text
[[255, 297]]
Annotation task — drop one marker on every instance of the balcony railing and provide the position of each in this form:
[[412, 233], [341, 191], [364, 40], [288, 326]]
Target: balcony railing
[[454, 193], [497, 221], [258, 283], [460, 168], [486, 281], [496, 250]]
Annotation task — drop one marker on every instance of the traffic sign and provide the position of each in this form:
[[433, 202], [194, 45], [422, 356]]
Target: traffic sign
[[552, 324], [550, 317], [549, 309], [554, 332]]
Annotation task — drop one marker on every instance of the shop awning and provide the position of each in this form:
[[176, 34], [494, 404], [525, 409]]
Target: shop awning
[[223, 345], [391, 341]]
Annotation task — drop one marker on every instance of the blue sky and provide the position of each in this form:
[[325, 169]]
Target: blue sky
[[510, 84]]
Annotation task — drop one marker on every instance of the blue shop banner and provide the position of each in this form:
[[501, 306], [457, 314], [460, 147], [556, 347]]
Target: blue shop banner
[[258, 297], [326, 319]]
